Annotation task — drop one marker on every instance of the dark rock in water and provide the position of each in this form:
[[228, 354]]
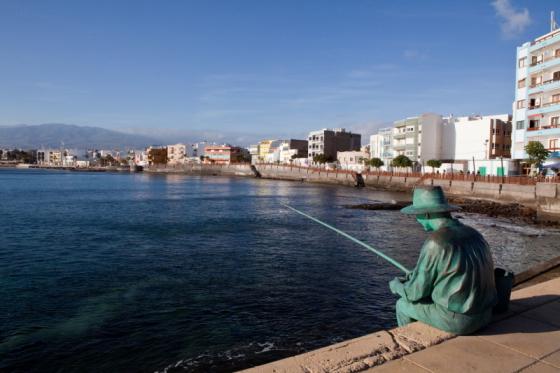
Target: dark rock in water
[[495, 209], [379, 206]]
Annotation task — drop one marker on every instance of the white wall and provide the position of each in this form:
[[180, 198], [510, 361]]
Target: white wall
[[376, 146], [465, 138], [430, 138]]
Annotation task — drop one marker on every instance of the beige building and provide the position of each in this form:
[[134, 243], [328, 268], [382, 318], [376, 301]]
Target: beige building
[[352, 160], [176, 154]]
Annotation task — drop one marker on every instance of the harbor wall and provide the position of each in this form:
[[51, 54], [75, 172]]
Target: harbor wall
[[543, 197]]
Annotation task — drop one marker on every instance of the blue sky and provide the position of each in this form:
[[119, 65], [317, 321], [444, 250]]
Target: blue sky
[[258, 68]]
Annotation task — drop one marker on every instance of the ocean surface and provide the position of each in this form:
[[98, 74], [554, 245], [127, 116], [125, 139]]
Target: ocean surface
[[134, 272]]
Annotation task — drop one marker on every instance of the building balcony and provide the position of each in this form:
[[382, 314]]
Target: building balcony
[[547, 85], [400, 135], [543, 128], [543, 131], [544, 108], [544, 64]]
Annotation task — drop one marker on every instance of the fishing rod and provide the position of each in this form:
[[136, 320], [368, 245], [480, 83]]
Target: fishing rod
[[379, 253]]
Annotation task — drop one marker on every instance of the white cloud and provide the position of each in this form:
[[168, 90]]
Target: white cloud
[[514, 21]]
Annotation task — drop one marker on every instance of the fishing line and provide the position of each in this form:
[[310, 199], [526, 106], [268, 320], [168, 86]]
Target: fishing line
[[375, 251]]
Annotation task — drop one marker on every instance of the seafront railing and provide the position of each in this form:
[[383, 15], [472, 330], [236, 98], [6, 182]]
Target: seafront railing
[[456, 176], [506, 179]]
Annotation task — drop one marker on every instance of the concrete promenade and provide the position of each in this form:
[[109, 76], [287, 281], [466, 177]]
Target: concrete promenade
[[527, 339]]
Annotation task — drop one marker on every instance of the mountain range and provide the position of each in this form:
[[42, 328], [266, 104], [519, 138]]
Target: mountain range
[[55, 135]]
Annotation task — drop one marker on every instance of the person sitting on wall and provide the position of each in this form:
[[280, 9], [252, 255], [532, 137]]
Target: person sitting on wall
[[452, 286]]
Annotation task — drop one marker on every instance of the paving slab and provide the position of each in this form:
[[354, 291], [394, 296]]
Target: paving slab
[[470, 354], [398, 366], [553, 359], [527, 336], [548, 313], [536, 295]]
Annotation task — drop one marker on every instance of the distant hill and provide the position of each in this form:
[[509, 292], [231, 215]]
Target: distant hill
[[70, 136]]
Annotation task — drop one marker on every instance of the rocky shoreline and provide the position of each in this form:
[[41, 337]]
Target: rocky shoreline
[[470, 205]]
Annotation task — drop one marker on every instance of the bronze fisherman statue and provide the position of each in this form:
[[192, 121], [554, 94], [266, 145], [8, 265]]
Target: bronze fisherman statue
[[452, 286]]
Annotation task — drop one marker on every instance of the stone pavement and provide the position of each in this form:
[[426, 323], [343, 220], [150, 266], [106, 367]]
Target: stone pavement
[[527, 339]]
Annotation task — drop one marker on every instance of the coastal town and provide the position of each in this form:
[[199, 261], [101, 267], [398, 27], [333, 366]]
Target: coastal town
[[524, 142]]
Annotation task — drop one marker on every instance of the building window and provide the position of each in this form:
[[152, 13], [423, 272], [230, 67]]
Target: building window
[[534, 123], [521, 62], [521, 83], [554, 121], [556, 98], [553, 144], [536, 59], [520, 124], [556, 75], [520, 104], [536, 80]]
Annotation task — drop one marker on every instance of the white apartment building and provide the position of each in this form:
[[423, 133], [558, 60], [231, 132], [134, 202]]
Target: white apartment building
[[381, 146], [375, 145], [536, 110], [254, 153], [478, 144], [476, 136], [49, 157], [176, 154], [419, 138]]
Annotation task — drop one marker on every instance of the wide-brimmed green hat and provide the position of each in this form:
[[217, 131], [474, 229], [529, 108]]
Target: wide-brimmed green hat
[[429, 199]]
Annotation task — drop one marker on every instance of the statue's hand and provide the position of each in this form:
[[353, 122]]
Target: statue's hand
[[396, 287]]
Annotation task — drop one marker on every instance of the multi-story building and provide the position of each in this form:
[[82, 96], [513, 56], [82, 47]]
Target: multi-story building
[[381, 146], [286, 151], [478, 144], [375, 145], [264, 149], [176, 154], [418, 138], [536, 110], [157, 155], [476, 137], [330, 142], [49, 157], [224, 154], [254, 153]]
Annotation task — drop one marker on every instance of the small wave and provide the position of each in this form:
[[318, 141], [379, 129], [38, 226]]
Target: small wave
[[267, 346]]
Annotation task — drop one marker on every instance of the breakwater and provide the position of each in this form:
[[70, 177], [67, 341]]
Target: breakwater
[[543, 197]]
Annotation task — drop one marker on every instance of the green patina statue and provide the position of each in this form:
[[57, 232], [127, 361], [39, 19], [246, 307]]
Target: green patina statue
[[452, 286]]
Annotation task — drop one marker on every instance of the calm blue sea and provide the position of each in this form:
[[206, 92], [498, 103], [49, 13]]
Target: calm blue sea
[[136, 272]]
